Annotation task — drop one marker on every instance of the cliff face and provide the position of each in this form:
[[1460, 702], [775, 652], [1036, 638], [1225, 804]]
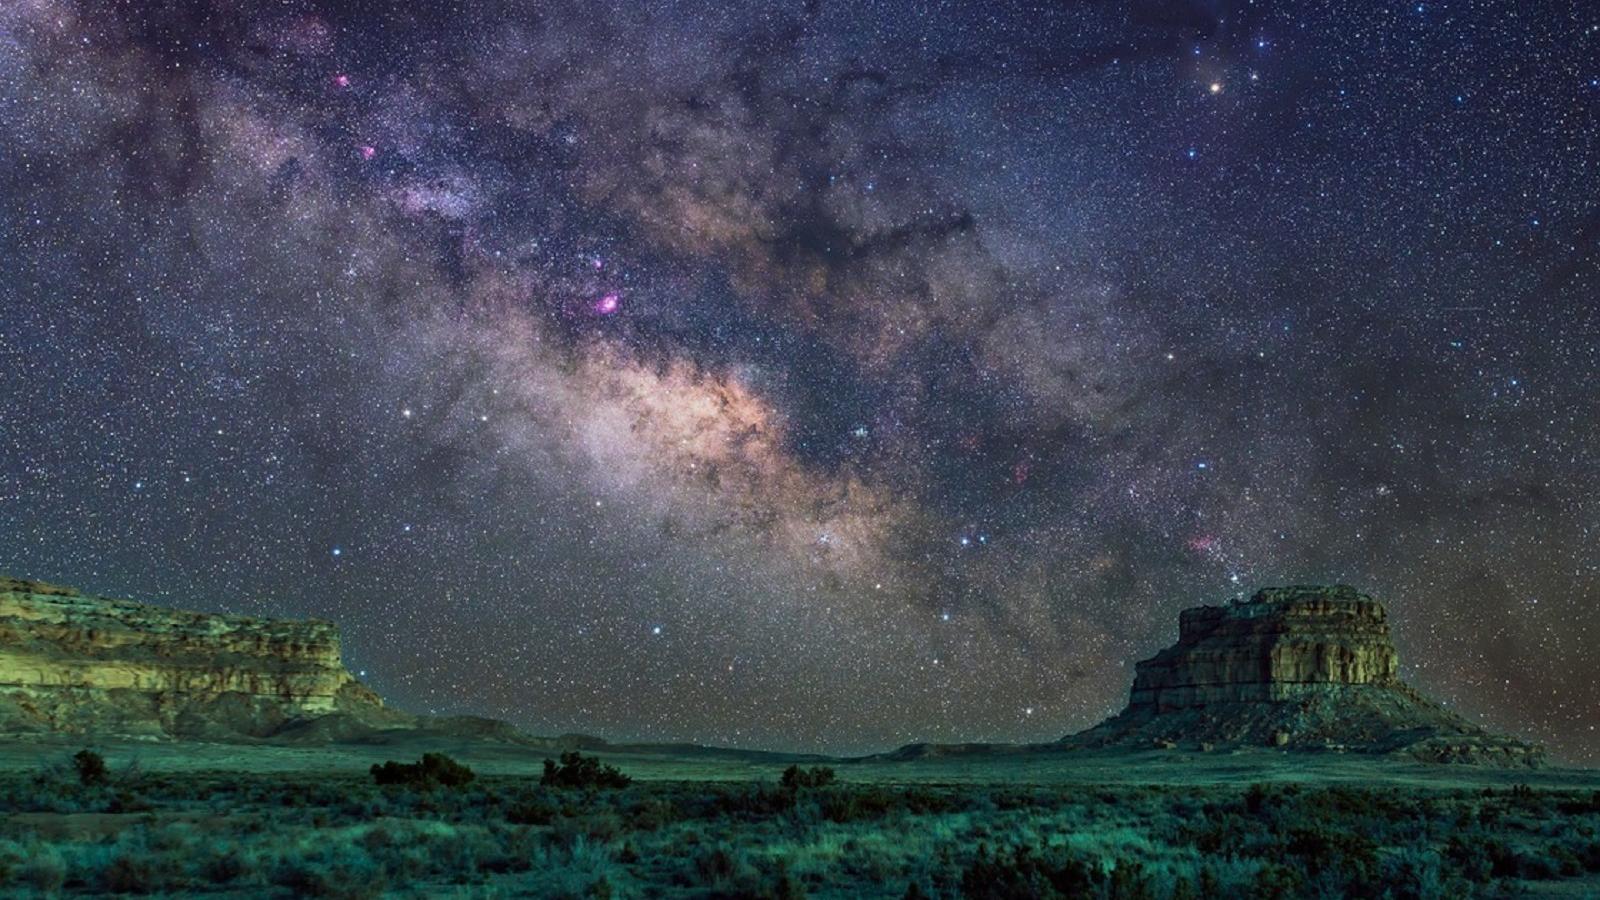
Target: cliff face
[[73, 662], [1284, 643], [1301, 668]]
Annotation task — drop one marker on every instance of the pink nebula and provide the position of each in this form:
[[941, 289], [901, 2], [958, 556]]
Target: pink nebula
[[368, 151], [341, 80], [608, 304]]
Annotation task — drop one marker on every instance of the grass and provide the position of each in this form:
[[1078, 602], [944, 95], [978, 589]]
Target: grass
[[276, 833]]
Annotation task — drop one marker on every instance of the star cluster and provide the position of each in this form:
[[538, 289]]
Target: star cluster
[[814, 376]]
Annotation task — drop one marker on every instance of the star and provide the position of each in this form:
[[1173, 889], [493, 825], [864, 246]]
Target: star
[[719, 326]]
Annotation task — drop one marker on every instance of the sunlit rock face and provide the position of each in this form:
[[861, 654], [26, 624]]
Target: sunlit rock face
[[78, 663], [1279, 644], [1296, 668]]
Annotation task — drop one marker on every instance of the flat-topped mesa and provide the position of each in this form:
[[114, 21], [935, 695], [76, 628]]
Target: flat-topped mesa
[[1279, 644], [75, 662], [1301, 668]]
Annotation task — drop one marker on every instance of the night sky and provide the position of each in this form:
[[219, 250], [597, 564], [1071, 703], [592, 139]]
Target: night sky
[[817, 375]]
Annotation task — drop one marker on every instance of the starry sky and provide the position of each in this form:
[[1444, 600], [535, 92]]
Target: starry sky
[[819, 375]]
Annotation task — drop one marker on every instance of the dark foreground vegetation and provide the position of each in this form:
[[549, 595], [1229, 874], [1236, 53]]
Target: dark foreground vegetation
[[432, 829]]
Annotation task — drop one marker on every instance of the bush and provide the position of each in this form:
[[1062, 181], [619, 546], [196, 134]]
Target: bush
[[45, 872], [579, 771], [226, 866], [342, 879], [434, 770], [531, 812], [91, 767], [1352, 856], [1024, 875], [1275, 882], [864, 804], [131, 875], [795, 777]]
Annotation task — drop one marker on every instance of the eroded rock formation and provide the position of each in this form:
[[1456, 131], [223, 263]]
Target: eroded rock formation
[[1298, 668], [79, 663], [1283, 643]]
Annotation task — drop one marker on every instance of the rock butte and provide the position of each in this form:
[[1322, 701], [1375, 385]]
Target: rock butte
[[1302, 668], [1281, 644]]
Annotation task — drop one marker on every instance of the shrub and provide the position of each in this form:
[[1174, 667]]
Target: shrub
[[226, 866], [1352, 856], [1471, 857], [859, 805], [1024, 875], [1275, 882], [795, 777], [309, 878], [1589, 854], [435, 769], [91, 767], [130, 874], [128, 802], [45, 871], [579, 771], [531, 812]]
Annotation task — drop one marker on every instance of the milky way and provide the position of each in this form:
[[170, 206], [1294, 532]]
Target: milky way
[[819, 376]]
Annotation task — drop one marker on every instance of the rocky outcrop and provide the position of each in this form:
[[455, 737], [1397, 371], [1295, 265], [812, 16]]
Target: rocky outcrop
[[78, 663], [1300, 668], [1283, 643]]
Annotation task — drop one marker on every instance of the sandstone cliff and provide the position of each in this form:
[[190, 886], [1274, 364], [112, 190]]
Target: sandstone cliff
[[1295, 667], [78, 663]]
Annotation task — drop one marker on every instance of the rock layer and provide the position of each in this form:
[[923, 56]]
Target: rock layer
[[80, 663], [1298, 668], [1283, 643]]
